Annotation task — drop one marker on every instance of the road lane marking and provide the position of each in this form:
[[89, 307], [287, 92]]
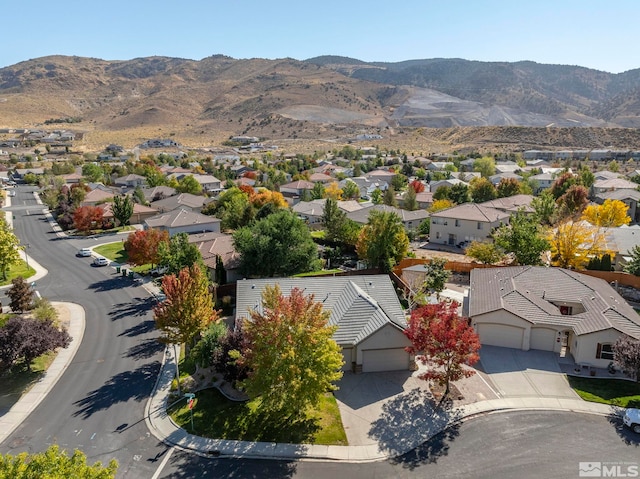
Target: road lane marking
[[92, 436], [163, 463]]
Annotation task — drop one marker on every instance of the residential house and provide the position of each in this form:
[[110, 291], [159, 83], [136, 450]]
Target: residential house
[[72, 178], [550, 309], [620, 242], [97, 196], [138, 217], [366, 310], [511, 204], [296, 188], [181, 201], [214, 246], [459, 225], [410, 219], [158, 193], [434, 185], [312, 211], [440, 165], [381, 176], [19, 173], [183, 221], [424, 199], [507, 167], [321, 178], [366, 185], [544, 181], [603, 186], [130, 181], [497, 178]]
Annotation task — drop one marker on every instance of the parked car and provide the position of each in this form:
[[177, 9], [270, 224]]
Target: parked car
[[11, 193], [158, 271], [632, 419], [85, 252], [101, 262]]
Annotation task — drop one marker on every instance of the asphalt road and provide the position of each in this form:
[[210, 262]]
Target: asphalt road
[[526, 445], [98, 404]]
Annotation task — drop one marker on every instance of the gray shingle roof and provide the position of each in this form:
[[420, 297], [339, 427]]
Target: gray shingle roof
[[473, 212], [528, 292], [358, 305], [177, 218]]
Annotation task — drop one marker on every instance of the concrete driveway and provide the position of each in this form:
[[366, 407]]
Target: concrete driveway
[[516, 373]]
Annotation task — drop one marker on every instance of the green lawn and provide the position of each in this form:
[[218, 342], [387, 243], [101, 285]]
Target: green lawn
[[18, 269], [318, 273], [113, 251], [216, 417], [616, 392], [17, 382]]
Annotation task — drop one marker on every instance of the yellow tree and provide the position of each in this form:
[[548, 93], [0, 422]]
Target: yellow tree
[[610, 214], [574, 242], [333, 191], [439, 205], [267, 196]]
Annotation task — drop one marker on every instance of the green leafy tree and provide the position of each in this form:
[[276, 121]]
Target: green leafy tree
[[484, 251], [508, 187], [633, 266], [122, 209], [524, 238], [205, 349], [442, 193], [54, 464], [376, 197], [9, 243], [562, 184], [486, 166], [92, 172], [544, 206], [587, 178], [409, 201], [291, 355], [278, 245], [481, 190], [436, 276], [350, 190], [383, 241], [188, 184], [178, 253], [459, 193], [317, 192], [333, 219], [389, 197]]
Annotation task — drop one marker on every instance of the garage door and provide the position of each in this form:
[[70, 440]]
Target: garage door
[[500, 335], [542, 338], [384, 360]]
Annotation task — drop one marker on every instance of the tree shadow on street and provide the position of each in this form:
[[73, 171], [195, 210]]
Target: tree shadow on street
[[136, 307], [109, 284], [145, 349], [626, 435], [143, 327], [189, 466], [413, 422], [122, 387]]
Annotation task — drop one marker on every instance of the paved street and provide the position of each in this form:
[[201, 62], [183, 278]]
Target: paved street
[[98, 404], [527, 445]]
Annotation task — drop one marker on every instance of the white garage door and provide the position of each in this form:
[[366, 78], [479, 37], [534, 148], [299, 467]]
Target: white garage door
[[500, 335], [384, 360], [542, 338]]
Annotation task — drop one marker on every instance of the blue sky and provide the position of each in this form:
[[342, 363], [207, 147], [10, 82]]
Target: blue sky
[[592, 33]]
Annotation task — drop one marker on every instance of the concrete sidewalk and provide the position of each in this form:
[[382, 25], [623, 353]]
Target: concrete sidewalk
[[384, 439]]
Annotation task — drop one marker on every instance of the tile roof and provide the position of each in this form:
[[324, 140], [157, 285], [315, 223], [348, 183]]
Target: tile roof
[[362, 215], [177, 218], [529, 291], [213, 244], [473, 212], [358, 305], [508, 203]]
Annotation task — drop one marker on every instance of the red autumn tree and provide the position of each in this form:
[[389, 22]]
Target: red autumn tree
[[142, 246], [86, 218], [445, 340], [417, 185]]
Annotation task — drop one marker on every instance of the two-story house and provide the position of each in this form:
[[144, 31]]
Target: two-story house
[[464, 223]]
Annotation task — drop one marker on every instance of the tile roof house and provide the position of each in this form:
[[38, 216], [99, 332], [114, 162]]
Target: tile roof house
[[620, 241], [183, 221], [321, 178], [312, 211], [464, 223], [510, 204], [296, 188], [96, 196], [140, 213], [158, 193], [218, 245], [410, 219], [631, 198], [613, 184], [551, 309], [366, 310], [130, 181], [383, 175], [183, 200], [366, 185]]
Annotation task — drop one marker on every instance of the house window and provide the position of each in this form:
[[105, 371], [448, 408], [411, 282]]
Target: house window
[[566, 310], [457, 222], [479, 225], [604, 351], [437, 234]]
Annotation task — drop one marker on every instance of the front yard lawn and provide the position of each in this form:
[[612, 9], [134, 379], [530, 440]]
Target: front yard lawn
[[19, 380], [216, 417], [18, 269], [113, 251], [616, 392]]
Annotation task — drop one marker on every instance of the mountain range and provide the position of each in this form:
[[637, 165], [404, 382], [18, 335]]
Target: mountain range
[[325, 98]]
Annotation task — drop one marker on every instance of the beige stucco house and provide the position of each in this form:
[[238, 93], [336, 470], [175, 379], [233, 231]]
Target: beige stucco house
[[551, 309], [366, 310], [464, 223]]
